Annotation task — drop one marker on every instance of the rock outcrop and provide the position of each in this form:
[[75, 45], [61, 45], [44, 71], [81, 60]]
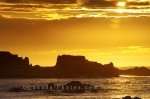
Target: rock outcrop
[[10, 61], [79, 67], [13, 66], [139, 71], [67, 66]]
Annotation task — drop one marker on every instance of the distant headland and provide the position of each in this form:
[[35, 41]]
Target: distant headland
[[67, 66]]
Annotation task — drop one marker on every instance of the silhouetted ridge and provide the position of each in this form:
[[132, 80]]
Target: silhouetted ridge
[[13, 66], [67, 66], [79, 66], [67, 60], [140, 71], [10, 61]]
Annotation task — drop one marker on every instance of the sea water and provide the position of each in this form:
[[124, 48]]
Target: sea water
[[112, 88]]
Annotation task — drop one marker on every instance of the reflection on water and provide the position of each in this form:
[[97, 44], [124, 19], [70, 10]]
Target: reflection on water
[[112, 88]]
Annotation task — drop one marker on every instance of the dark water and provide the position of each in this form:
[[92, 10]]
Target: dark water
[[113, 88]]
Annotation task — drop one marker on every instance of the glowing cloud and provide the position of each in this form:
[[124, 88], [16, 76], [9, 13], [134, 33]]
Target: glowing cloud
[[121, 4]]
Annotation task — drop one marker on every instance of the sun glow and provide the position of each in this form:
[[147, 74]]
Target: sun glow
[[120, 10], [121, 4]]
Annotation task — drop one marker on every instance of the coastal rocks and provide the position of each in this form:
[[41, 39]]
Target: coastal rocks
[[69, 66], [13, 66], [139, 71], [129, 97], [77, 86], [16, 89], [11, 61], [52, 88], [73, 87]]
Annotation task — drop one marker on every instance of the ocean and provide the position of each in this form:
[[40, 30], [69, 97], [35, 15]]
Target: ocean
[[112, 88]]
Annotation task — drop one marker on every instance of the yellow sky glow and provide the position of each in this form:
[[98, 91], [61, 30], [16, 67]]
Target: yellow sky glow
[[121, 4], [42, 31]]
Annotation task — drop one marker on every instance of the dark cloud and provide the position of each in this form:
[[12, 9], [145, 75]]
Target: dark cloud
[[98, 3], [138, 3], [81, 2], [88, 3], [41, 1]]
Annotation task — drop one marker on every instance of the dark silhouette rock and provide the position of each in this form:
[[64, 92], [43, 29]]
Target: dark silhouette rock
[[78, 87], [8, 60], [17, 89], [67, 66], [13, 66], [74, 87], [139, 71], [129, 97], [66, 60], [137, 98], [79, 67]]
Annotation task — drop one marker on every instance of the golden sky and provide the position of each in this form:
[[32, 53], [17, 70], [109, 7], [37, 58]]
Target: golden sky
[[104, 31]]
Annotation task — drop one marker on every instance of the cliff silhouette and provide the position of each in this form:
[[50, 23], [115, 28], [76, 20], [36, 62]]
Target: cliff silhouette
[[139, 71], [67, 66], [8, 60], [79, 66]]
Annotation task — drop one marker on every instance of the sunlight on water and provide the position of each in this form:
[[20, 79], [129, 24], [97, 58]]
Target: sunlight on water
[[110, 88]]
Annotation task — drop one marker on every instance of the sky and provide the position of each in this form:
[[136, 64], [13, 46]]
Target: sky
[[102, 30]]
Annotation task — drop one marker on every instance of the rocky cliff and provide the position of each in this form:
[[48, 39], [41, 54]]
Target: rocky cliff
[[10, 61], [79, 66], [67, 66], [139, 71]]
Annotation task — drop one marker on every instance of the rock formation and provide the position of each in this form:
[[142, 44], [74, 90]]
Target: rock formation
[[79, 67], [10, 61], [67, 66], [12, 65], [140, 71]]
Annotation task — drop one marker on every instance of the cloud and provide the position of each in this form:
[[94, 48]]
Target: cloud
[[3, 16], [133, 3], [87, 3], [97, 3], [110, 3], [41, 1]]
